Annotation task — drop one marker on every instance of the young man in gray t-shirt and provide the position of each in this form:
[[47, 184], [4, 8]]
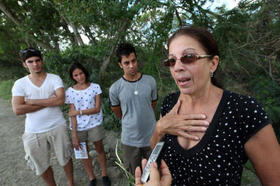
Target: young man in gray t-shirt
[[133, 99]]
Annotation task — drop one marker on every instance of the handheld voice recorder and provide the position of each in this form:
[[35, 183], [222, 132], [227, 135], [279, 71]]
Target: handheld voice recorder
[[153, 157]]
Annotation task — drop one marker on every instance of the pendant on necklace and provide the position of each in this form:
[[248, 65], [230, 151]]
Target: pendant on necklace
[[135, 92]]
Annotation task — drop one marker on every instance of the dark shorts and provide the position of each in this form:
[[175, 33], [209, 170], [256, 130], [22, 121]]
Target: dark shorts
[[132, 156]]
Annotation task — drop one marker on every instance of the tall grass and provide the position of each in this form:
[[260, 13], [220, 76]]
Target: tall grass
[[5, 89]]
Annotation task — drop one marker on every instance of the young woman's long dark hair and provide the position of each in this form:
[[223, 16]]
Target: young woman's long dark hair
[[76, 65]]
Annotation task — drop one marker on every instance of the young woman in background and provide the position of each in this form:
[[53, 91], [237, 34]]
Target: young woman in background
[[86, 118]]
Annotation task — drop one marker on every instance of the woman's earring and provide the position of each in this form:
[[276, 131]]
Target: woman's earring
[[211, 74]]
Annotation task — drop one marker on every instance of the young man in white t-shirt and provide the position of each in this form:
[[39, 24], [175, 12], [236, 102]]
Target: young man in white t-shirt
[[39, 95]]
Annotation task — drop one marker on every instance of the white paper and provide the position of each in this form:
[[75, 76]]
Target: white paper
[[82, 152]]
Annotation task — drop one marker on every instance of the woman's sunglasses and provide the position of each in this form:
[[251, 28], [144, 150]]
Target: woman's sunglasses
[[186, 59]]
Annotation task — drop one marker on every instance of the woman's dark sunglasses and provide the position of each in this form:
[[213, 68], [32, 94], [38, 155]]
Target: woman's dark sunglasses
[[186, 59]]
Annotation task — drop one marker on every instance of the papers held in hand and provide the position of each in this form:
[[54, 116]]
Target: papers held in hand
[[81, 153]]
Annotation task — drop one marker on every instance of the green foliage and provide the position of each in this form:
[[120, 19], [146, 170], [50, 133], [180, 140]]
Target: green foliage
[[9, 45], [5, 89], [249, 176], [248, 38], [12, 72], [266, 92], [248, 41], [110, 122]]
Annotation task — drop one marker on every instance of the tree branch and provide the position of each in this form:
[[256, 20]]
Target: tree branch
[[12, 17], [77, 35], [8, 13], [179, 18], [106, 62]]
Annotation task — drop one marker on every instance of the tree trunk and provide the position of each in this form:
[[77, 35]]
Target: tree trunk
[[106, 62], [77, 36], [89, 35], [76, 32]]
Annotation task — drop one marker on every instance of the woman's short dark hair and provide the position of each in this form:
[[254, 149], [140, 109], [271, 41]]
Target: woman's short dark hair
[[124, 49], [205, 38], [76, 65], [29, 52]]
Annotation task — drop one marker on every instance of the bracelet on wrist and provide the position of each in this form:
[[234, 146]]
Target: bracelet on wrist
[[81, 113]]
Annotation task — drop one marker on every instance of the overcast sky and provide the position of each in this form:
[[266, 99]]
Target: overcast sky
[[229, 4]]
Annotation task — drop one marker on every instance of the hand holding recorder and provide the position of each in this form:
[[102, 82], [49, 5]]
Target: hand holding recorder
[[161, 177]]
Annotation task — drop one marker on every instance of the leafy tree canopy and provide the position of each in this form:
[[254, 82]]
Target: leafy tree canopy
[[89, 31]]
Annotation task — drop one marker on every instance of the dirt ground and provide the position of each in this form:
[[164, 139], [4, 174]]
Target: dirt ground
[[13, 169]]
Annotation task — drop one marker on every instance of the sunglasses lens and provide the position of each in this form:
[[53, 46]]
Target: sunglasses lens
[[166, 62], [189, 58], [169, 62], [172, 62], [186, 59]]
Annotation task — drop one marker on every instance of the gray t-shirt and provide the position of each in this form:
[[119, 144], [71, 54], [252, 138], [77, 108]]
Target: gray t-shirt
[[135, 99]]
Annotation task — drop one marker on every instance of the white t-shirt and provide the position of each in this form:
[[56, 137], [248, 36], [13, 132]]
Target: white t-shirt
[[44, 119], [83, 100]]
